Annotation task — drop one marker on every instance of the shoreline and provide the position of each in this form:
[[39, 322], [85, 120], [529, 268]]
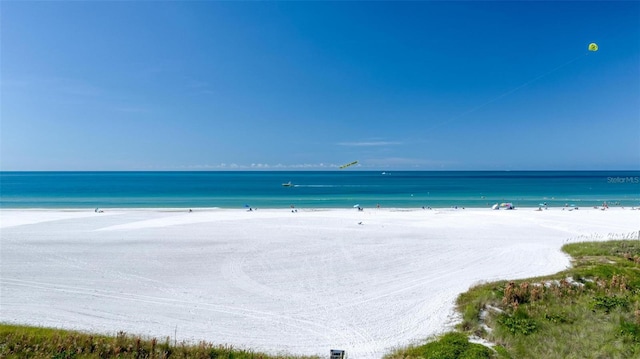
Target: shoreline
[[387, 208], [20, 216], [367, 204]]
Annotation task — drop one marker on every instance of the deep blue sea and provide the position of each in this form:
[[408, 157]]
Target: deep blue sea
[[322, 189]]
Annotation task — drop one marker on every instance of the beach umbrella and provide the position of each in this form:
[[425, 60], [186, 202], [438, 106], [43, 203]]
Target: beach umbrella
[[356, 205]]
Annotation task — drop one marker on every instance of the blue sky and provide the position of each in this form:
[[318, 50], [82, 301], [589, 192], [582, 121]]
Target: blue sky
[[312, 85]]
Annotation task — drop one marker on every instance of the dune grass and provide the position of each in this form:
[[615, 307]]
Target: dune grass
[[34, 342], [591, 310], [453, 345]]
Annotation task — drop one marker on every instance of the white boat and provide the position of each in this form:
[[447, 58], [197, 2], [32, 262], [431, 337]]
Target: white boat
[[288, 184]]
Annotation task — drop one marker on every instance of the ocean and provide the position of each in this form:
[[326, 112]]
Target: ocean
[[317, 189]]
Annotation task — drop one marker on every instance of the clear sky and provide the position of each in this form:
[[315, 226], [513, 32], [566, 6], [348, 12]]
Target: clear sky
[[312, 85]]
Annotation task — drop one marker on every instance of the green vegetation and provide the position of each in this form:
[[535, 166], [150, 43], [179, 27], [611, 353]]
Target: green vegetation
[[31, 342], [591, 310], [449, 346]]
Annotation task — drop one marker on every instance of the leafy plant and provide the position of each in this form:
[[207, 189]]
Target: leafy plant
[[519, 323], [608, 303]]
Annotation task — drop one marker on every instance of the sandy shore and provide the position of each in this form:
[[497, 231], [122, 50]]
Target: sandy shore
[[273, 280]]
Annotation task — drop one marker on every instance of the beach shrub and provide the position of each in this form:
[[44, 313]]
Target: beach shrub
[[518, 323], [557, 318], [515, 294], [452, 345], [608, 303]]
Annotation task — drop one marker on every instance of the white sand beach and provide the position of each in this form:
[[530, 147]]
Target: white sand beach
[[276, 281]]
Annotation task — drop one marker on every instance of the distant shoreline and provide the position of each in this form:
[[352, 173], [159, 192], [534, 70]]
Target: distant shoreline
[[310, 209]]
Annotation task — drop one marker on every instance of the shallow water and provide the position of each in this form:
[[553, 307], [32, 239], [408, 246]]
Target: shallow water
[[317, 189]]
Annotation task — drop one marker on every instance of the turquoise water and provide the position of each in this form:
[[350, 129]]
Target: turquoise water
[[322, 189]]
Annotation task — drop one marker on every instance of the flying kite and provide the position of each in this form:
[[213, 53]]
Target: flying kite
[[593, 46], [348, 164]]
